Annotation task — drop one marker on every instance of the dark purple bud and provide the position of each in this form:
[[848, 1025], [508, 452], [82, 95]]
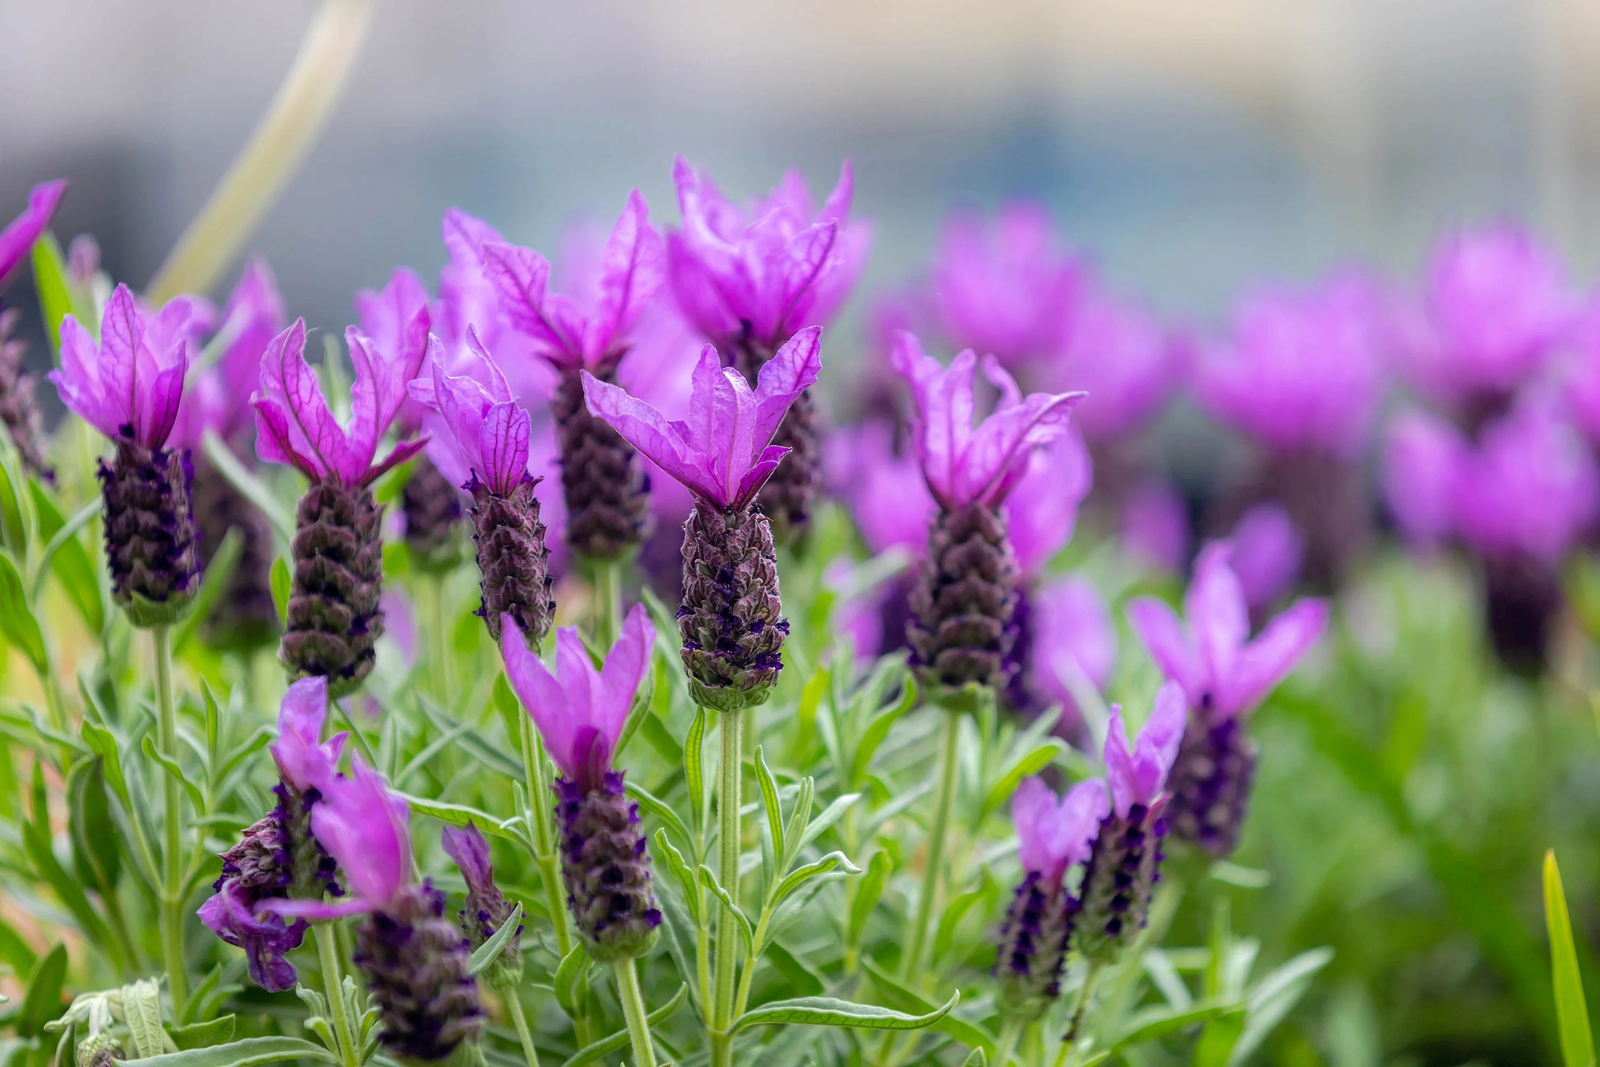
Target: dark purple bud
[[433, 513], [1121, 872], [1522, 600], [149, 531], [606, 868], [486, 907], [334, 617], [415, 962], [606, 488], [1033, 946], [244, 616], [1210, 782], [962, 628], [513, 561], [19, 409], [731, 620]]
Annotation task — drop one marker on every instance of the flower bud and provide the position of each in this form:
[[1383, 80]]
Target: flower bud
[[433, 513], [1211, 782], [605, 866], [334, 617], [962, 631], [99, 1050], [513, 562], [731, 619], [415, 962], [1033, 946], [1122, 870], [149, 531], [606, 488]]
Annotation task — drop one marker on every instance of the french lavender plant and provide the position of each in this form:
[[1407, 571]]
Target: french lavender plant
[[606, 488], [19, 410], [605, 862], [1223, 675], [334, 618], [749, 280]]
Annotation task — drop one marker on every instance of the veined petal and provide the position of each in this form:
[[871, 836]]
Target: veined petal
[[1270, 658], [18, 238], [632, 273], [1121, 776], [626, 666], [1161, 632], [757, 475], [504, 446], [363, 826], [805, 258], [543, 697], [303, 427], [1216, 611], [790, 372], [648, 430]]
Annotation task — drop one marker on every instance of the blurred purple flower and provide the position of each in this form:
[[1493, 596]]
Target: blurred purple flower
[[1123, 357], [18, 238], [580, 711], [130, 385], [1042, 510], [1421, 455], [295, 426], [1224, 673], [1053, 834], [1267, 553], [397, 319], [1300, 369], [721, 452], [1073, 636], [1139, 776], [885, 492], [1005, 289], [1155, 525], [217, 396], [963, 464]]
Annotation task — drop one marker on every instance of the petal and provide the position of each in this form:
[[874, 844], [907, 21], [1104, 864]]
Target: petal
[[520, 277], [1082, 810], [1032, 805], [1268, 659], [121, 339], [307, 429], [504, 446], [648, 430], [315, 910], [542, 696], [1161, 632], [466, 845], [632, 273], [626, 666], [1216, 611], [804, 260], [790, 372], [298, 752], [397, 455], [1159, 740], [757, 475], [996, 457], [18, 238], [1121, 775], [78, 383], [363, 826]]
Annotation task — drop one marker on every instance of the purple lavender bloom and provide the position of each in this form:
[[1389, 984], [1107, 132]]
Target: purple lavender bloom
[[1155, 526], [1121, 355], [721, 453], [1267, 552], [230, 913], [18, 238], [1494, 305], [1074, 642], [487, 425], [1052, 836], [1042, 510], [758, 276], [1137, 775], [304, 760], [1420, 458], [885, 492], [486, 908], [1006, 289]]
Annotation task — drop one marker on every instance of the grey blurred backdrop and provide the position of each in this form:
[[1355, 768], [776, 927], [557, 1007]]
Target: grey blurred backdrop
[[1190, 145]]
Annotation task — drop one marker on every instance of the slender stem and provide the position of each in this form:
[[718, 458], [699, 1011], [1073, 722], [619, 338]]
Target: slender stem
[[608, 601], [333, 986], [1010, 1032], [644, 1054], [933, 868], [439, 676], [172, 847], [728, 874], [1085, 994], [520, 1021]]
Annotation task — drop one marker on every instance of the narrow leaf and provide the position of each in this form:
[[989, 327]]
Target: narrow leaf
[[657, 807], [16, 618], [248, 484], [827, 1011], [246, 1053], [1572, 1013], [485, 953]]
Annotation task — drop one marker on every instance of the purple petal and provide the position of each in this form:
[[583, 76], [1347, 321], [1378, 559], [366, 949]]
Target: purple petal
[[1216, 612], [78, 382], [542, 696], [1159, 740], [1268, 659], [1267, 552], [301, 430], [1121, 775], [648, 430], [467, 846], [301, 757], [504, 446], [18, 238], [626, 666], [805, 258], [363, 826], [1161, 632], [632, 273], [790, 372]]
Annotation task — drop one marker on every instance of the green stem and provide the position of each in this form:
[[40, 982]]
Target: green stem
[[608, 602], [172, 849], [918, 934], [520, 1021], [333, 986], [1010, 1032], [1085, 994], [439, 676], [644, 1054], [728, 873]]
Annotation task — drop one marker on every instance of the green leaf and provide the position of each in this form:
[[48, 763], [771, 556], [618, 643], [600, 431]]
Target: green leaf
[[694, 765], [103, 743], [458, 815], [13, 523], [94, 834], [1275, 996], [65, 555], [1218, 1043], [607, 1045], [171, 766], [21, 629], [878, 729], [769, 800], [951, 918], [37, 846], [709, 880], [15, 951], [830, 815], [1158, 1024], [868, 892], [801, 875], [248, 484], [203, 1035], [976, 1058], [485, 953], [573, 968], [58, 297], [1572, 1013], [898, 996], [141, 1009], [1031, 763], [246, 1053], [827, 1011], [800, 975], [657, 807], [680, 871], [42, 1002], [282, 586], [218, 574]]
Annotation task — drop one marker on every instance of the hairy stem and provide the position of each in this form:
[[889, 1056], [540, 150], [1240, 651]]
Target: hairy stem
[[520, 1021], [644, 1054], [728, 874], [333, 987], [172, 915], [607, 602], [917, 935]]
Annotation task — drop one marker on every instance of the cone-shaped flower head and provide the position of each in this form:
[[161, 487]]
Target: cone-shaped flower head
[[486, 907], [17, 239], [722, 452], [963, 464], [1125, 861], [756, 277], [1052, 835], [580, 711], [296, 426], [1222, 671], [1005, 289], [1300, 370]]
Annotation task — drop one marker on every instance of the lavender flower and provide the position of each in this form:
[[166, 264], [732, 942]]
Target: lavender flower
[[1006, 289], [334, 617], [486, 908], [965, 598], [129, 388], [492, 433], [751, 280], [18, 238], [1052, 836], [731, 618], [1125, 860], [1155, 525], [1075, 644], [278, 858], [606, 489], [580, 712], [18, 408], [1223, 675], [1268, 552], [1120, 354]]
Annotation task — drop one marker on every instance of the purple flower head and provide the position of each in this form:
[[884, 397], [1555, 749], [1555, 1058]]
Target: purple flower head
[[1212, 657], [1073, 636], [490, 428], [1122, 356], [467, 846], [230, 913], [964, 464], [1420, 458], [564, 330], [580, 711], [304, 760], [1005, 289], [1043, 509], [1267, 553], [1139, 775], [722, 451], [1301, 368], [215, 398], [762, 274], [886, 493], [397, 319], [1580, 374], [17, 239], [1053, 834], [295, 426], [1155, 525], [363, 827], [1495, 301], [130, 385]]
